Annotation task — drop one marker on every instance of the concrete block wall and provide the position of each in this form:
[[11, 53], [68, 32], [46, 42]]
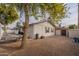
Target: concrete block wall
[[73, 33]]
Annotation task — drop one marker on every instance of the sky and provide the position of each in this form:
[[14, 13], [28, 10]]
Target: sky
[[66, 21], [73, 16]]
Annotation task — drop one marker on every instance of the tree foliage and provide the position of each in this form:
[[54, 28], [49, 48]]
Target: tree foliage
[[8, 14], [57, 11], [73, 26]]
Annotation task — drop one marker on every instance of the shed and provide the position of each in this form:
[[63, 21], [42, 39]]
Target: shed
[[61, 31]]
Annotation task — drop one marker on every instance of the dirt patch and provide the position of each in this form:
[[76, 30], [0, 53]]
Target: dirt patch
[[52, 46]]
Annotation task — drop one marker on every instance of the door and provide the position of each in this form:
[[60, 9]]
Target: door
[[36, 36], [63, 32]]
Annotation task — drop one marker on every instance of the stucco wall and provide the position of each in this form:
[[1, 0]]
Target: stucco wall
[[40, 29], [12, 31], [1, 33], [30, 31], [73, 33]]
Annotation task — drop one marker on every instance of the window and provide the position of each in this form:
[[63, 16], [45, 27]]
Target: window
[[47, 29], [51, 30]]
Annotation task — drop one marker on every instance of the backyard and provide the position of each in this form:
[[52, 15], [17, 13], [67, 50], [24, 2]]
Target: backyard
[[56, 45]]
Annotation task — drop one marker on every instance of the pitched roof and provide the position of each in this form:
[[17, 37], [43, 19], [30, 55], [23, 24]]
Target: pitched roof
[[41, 21], [33, 21]]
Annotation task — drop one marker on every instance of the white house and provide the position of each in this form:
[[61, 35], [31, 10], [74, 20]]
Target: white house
[[40, 29]]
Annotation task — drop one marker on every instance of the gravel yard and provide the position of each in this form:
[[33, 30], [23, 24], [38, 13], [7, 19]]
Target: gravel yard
[[52, 46]]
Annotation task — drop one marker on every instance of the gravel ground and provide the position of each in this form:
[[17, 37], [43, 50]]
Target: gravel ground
[[52, 46]]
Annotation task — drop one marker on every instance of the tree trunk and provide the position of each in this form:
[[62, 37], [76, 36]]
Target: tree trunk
[[26, 25]]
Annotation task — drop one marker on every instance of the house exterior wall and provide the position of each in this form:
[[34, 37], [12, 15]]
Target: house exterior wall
[[12, 31], [40, 29], [67, 33], [1, 33], [73, 33], [30, 31]]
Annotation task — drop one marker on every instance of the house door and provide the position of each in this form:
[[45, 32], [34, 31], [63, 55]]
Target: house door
[[36, 36], [63, 32]]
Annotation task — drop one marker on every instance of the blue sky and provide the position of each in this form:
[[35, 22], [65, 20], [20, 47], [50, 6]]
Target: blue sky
[[73, 16]]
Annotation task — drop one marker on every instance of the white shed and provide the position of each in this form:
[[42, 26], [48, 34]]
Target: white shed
[[62, 31]]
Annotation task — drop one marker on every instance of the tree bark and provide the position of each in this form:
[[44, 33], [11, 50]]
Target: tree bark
[[26, 25]]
